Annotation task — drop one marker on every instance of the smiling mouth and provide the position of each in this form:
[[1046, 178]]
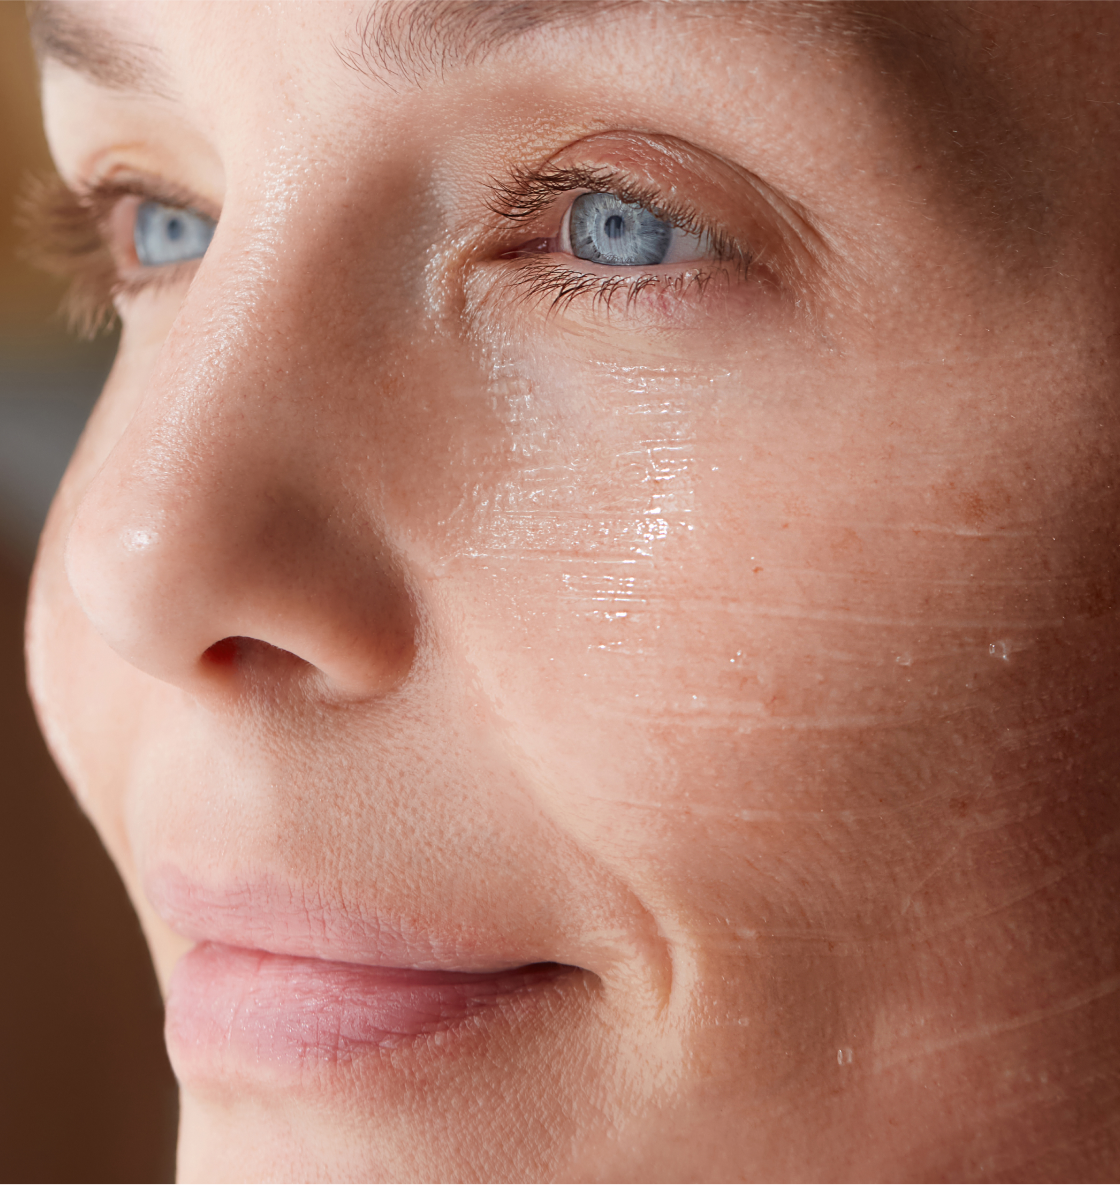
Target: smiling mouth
[[251, 1006]]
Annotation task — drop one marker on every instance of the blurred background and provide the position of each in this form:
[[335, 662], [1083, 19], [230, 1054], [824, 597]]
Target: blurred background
[[86, 1093]]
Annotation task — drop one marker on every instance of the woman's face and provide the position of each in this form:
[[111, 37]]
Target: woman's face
[[563, 714]]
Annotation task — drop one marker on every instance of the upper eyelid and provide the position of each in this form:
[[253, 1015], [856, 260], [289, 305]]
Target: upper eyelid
[[106, 192]]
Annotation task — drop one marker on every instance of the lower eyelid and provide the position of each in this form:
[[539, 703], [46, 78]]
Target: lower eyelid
[[557, 286], [147, 279]]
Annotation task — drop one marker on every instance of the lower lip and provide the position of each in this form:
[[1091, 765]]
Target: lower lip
[[229, 1004]]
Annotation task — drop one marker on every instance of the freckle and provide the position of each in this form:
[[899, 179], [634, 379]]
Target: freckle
[[975, 509]]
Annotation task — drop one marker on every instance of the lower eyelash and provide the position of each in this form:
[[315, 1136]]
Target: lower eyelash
[[540, 279]]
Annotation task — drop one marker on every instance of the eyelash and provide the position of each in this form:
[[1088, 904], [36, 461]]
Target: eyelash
[[65, 233], [531, 193]]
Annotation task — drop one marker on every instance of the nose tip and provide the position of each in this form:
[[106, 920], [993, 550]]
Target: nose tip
[[217, 591]]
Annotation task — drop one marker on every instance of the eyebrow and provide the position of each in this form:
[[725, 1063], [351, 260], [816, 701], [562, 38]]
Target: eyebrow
[[63, 33], [413, 40]]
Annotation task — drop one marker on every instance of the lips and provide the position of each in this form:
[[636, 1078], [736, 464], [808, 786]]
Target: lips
[[272, 984], [271, 914], [259, 1008]]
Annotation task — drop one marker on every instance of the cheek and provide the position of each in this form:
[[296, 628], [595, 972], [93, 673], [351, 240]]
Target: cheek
[[91, 703], [716, 607], [93, 707]]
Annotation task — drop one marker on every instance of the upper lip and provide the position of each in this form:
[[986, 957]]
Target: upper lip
[[272, 915]]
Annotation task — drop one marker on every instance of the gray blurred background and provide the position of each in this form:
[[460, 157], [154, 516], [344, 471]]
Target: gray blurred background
[[85, 1090]]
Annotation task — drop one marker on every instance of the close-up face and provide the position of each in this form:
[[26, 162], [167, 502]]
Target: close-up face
[[586, 614]]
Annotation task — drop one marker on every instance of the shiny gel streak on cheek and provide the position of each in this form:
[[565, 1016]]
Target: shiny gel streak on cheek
[[599, 460], [582, 558], [598, 484], [658, 414]]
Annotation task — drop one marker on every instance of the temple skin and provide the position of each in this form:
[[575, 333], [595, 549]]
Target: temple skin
[[749, 647]]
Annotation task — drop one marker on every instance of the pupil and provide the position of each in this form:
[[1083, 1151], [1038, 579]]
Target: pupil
[[174, 229], [614, 226]]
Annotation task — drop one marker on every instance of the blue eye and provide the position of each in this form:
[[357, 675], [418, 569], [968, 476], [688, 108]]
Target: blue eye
[[605, 229], [170, 234]]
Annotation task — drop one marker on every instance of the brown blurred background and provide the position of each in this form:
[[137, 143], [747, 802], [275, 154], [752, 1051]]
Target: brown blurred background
[[85, 1090]]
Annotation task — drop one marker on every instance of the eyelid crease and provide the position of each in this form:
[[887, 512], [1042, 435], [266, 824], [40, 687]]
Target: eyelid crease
[[65, 234]]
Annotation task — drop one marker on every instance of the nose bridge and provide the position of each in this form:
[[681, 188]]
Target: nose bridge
[[222, 523]]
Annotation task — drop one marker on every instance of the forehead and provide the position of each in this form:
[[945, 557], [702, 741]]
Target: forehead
[[942, 61], [123, 45]]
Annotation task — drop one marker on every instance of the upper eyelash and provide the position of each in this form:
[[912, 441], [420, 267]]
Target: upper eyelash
[[527, 193], [64, 235]]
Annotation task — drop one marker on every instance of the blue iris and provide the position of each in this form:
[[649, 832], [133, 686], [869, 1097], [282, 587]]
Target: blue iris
[[605, 229], [170, 234]]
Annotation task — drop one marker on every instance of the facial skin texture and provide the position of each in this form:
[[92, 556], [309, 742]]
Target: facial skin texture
[[750, 647]]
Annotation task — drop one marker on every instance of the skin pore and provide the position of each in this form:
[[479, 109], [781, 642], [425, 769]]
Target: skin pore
[[735, 637]]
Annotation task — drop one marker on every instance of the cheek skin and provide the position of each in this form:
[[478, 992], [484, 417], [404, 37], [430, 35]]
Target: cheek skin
[[95, 709], [745, 628]]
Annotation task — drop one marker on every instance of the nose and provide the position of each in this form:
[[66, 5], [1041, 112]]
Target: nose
[[225, 542]]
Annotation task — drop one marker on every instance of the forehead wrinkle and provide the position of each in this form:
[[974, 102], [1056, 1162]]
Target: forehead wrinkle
[[68, 34], [412, 40], [415, 39]]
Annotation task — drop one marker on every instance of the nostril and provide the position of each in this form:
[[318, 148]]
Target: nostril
[[251, 659], [223, 653]]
